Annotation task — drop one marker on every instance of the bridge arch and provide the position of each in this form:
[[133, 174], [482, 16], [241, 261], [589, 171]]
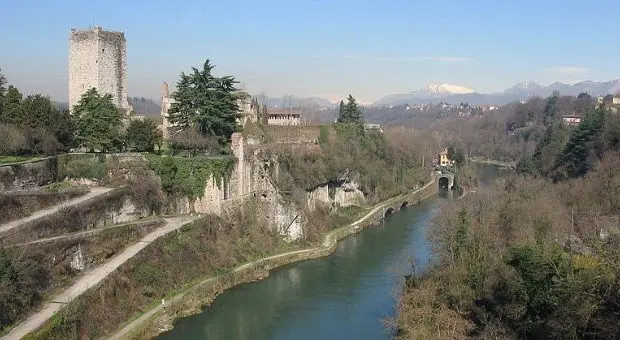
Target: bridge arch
[[404, 204], [388, 211]]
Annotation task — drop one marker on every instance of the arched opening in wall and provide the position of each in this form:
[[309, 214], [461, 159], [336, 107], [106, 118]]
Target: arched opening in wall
[[404, 205], [444, 183], [263, 195], [389, 211]]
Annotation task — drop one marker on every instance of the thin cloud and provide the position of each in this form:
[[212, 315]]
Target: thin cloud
[[322, 53], [568, 70], [410, 59]]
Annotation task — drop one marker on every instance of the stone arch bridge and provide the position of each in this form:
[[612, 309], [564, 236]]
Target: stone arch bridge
[[442, 181]]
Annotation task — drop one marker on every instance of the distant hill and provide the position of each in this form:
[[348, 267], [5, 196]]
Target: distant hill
[[520, 91], [293, 101], [145, 106]]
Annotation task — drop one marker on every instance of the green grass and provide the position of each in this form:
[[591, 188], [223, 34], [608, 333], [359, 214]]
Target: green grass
[[16, 159], [345, 216]]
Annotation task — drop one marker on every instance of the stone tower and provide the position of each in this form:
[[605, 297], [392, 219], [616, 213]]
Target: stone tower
[[98, 59]]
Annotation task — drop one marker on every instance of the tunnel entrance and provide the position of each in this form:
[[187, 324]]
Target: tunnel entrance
[[444, 183]]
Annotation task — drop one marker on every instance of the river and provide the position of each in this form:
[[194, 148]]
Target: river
[[347, 295]]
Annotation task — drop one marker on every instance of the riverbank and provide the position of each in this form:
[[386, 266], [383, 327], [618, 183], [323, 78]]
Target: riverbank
[[510, 165], [193, 299]]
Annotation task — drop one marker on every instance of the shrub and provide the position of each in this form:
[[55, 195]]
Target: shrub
[[88, 166], [12, 141], [188, 176]]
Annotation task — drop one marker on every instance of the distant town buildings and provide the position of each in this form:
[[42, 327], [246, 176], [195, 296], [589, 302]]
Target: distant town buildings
[[571, 120]]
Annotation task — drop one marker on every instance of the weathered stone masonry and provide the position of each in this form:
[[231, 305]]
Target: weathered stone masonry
[[98, 59]]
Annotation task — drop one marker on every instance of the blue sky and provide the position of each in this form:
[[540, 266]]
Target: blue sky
[[320, 47]]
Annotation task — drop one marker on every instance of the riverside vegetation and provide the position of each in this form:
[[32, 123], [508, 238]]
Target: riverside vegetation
[[383, 166], [536, 255]]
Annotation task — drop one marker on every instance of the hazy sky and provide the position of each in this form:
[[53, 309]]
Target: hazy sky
[[325, 48]]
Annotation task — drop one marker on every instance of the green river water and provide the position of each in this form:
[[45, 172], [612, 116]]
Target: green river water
[[347, 295]]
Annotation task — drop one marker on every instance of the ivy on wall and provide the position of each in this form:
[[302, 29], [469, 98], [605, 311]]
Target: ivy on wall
[[188, 176]]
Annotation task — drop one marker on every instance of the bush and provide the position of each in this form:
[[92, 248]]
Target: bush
[[143, 135], [188, 176], [193, 141], [23, 279], [90, 166], [12, 141]]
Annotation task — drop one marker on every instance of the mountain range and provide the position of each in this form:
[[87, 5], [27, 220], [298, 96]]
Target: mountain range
[[456, 94], [432, 93]]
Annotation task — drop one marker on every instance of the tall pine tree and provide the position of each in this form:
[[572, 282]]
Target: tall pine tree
[[351, 112], [340, 110], [207, 103]]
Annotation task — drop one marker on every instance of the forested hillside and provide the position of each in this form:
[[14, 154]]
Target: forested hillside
[[537, 255]]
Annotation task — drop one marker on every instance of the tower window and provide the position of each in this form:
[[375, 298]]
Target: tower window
[[102, 50]]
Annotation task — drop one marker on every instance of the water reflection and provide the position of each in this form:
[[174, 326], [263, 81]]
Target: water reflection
[[342, 296], [345, 295]]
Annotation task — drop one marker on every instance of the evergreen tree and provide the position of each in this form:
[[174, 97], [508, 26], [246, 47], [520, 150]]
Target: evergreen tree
[[12, 112], [550, 108], [98, 122], [340, 110], [549, 149], [38, 112], [2, 84], [456, 155], [350, 113], [583, 147], [206, 102]]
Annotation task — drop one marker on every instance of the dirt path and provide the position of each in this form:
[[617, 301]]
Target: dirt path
[[87, 233], [92, 278], [94, 192], [328, 242]]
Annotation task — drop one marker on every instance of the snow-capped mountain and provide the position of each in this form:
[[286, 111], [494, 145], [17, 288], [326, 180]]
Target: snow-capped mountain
[[431, 91], [521, 91], [441, 90]]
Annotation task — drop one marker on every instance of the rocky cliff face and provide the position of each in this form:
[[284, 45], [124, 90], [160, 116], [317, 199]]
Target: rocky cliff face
[[342, 193]]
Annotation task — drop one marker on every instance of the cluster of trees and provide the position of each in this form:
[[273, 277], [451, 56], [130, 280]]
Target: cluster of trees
[[524, 259], [514, 129], [204, 114], [534, 256], [31, 124], [567, 152], [34, 125], [383, 164]]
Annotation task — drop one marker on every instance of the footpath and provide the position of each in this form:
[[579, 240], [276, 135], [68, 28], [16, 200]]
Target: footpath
[[94, 192], [93, 277]]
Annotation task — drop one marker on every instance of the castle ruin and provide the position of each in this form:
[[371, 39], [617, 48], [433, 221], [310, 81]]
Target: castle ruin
[[98, 59]]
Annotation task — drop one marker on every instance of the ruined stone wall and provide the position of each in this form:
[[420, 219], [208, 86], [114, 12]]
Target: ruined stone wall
[[97, 58], [294, 134], [250, 180], [28, 175]]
